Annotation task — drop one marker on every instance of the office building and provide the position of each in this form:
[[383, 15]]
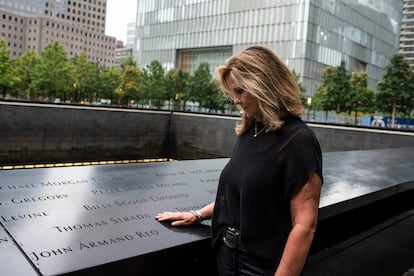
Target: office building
[[407, 31], [130, 35], [78, 24], [307, 34], [122, 53]]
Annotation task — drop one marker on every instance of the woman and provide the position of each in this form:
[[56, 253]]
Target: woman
[[265, 213]]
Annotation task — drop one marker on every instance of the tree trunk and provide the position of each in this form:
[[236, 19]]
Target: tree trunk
[[393, 114]]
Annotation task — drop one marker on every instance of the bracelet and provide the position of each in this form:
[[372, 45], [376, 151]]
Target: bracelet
[[197, 214]]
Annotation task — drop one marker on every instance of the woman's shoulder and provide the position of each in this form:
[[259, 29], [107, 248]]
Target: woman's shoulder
[[292, 123]]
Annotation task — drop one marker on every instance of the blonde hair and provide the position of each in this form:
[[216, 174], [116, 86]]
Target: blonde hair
[[260, 72]]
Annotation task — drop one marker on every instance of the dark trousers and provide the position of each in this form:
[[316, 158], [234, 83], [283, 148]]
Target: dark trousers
[[232, 262]]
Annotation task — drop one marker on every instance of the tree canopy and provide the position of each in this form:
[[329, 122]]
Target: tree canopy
[[51, 76], [396, 90]]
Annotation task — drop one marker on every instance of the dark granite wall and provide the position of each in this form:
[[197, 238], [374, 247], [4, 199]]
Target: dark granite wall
[[33, 133]]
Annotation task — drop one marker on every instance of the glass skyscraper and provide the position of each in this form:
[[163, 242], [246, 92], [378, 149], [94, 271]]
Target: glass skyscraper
[[307, 34]]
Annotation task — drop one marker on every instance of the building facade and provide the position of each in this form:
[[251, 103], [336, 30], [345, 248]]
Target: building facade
[[407, 31], [122, 53], [308, 35], [130, 35], [78, 24]]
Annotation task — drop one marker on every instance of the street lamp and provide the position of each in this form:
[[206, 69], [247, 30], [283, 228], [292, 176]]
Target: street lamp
[[309, 106], [75, 93]]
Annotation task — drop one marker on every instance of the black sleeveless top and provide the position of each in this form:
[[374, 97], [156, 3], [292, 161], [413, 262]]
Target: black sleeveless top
[[256, 185]]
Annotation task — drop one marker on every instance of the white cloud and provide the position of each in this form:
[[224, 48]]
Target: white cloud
[[118, 14]]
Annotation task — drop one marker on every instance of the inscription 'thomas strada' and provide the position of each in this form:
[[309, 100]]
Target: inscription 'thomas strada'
[[101, 223], [87, 245]]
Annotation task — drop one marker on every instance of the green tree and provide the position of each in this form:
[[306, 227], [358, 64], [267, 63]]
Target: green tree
[[215, 100], [334, 92], [53, 74], [203, 89], [153, 84], [321, 99], [130, 81], [110, 79], [362, 99], [8, 77], [25, 67], [176, 85], [395, 90], [302, 88], [85, 78]]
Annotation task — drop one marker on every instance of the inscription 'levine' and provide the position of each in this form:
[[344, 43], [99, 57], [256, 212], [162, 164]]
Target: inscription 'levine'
[[24, 216]]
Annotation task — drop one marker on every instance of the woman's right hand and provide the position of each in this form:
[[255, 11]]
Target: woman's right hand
[[177, 218]]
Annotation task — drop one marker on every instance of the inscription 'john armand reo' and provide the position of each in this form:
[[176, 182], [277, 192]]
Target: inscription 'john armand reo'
[[36, 256], [118, 240]]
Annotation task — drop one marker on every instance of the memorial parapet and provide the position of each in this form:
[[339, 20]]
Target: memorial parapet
[[73, 218], [94, 219]]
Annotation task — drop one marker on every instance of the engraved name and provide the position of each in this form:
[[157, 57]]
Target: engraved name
[[106, 242], [19, 200], [146, 187], [80, 181], [17, 187], [24, 216], [101, 223], [35, 256], [211, 180], [200, 171], [193, 207], [130, 202], [118, 240], [169, 197]]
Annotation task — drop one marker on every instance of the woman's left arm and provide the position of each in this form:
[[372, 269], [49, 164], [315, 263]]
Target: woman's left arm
[[304, 210]]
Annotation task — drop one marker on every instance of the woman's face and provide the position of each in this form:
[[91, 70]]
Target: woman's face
[[247, 102]]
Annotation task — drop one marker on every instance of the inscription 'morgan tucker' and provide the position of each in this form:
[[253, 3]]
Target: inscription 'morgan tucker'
[[81, 181]]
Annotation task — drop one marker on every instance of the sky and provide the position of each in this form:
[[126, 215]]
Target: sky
[[118, 14]]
